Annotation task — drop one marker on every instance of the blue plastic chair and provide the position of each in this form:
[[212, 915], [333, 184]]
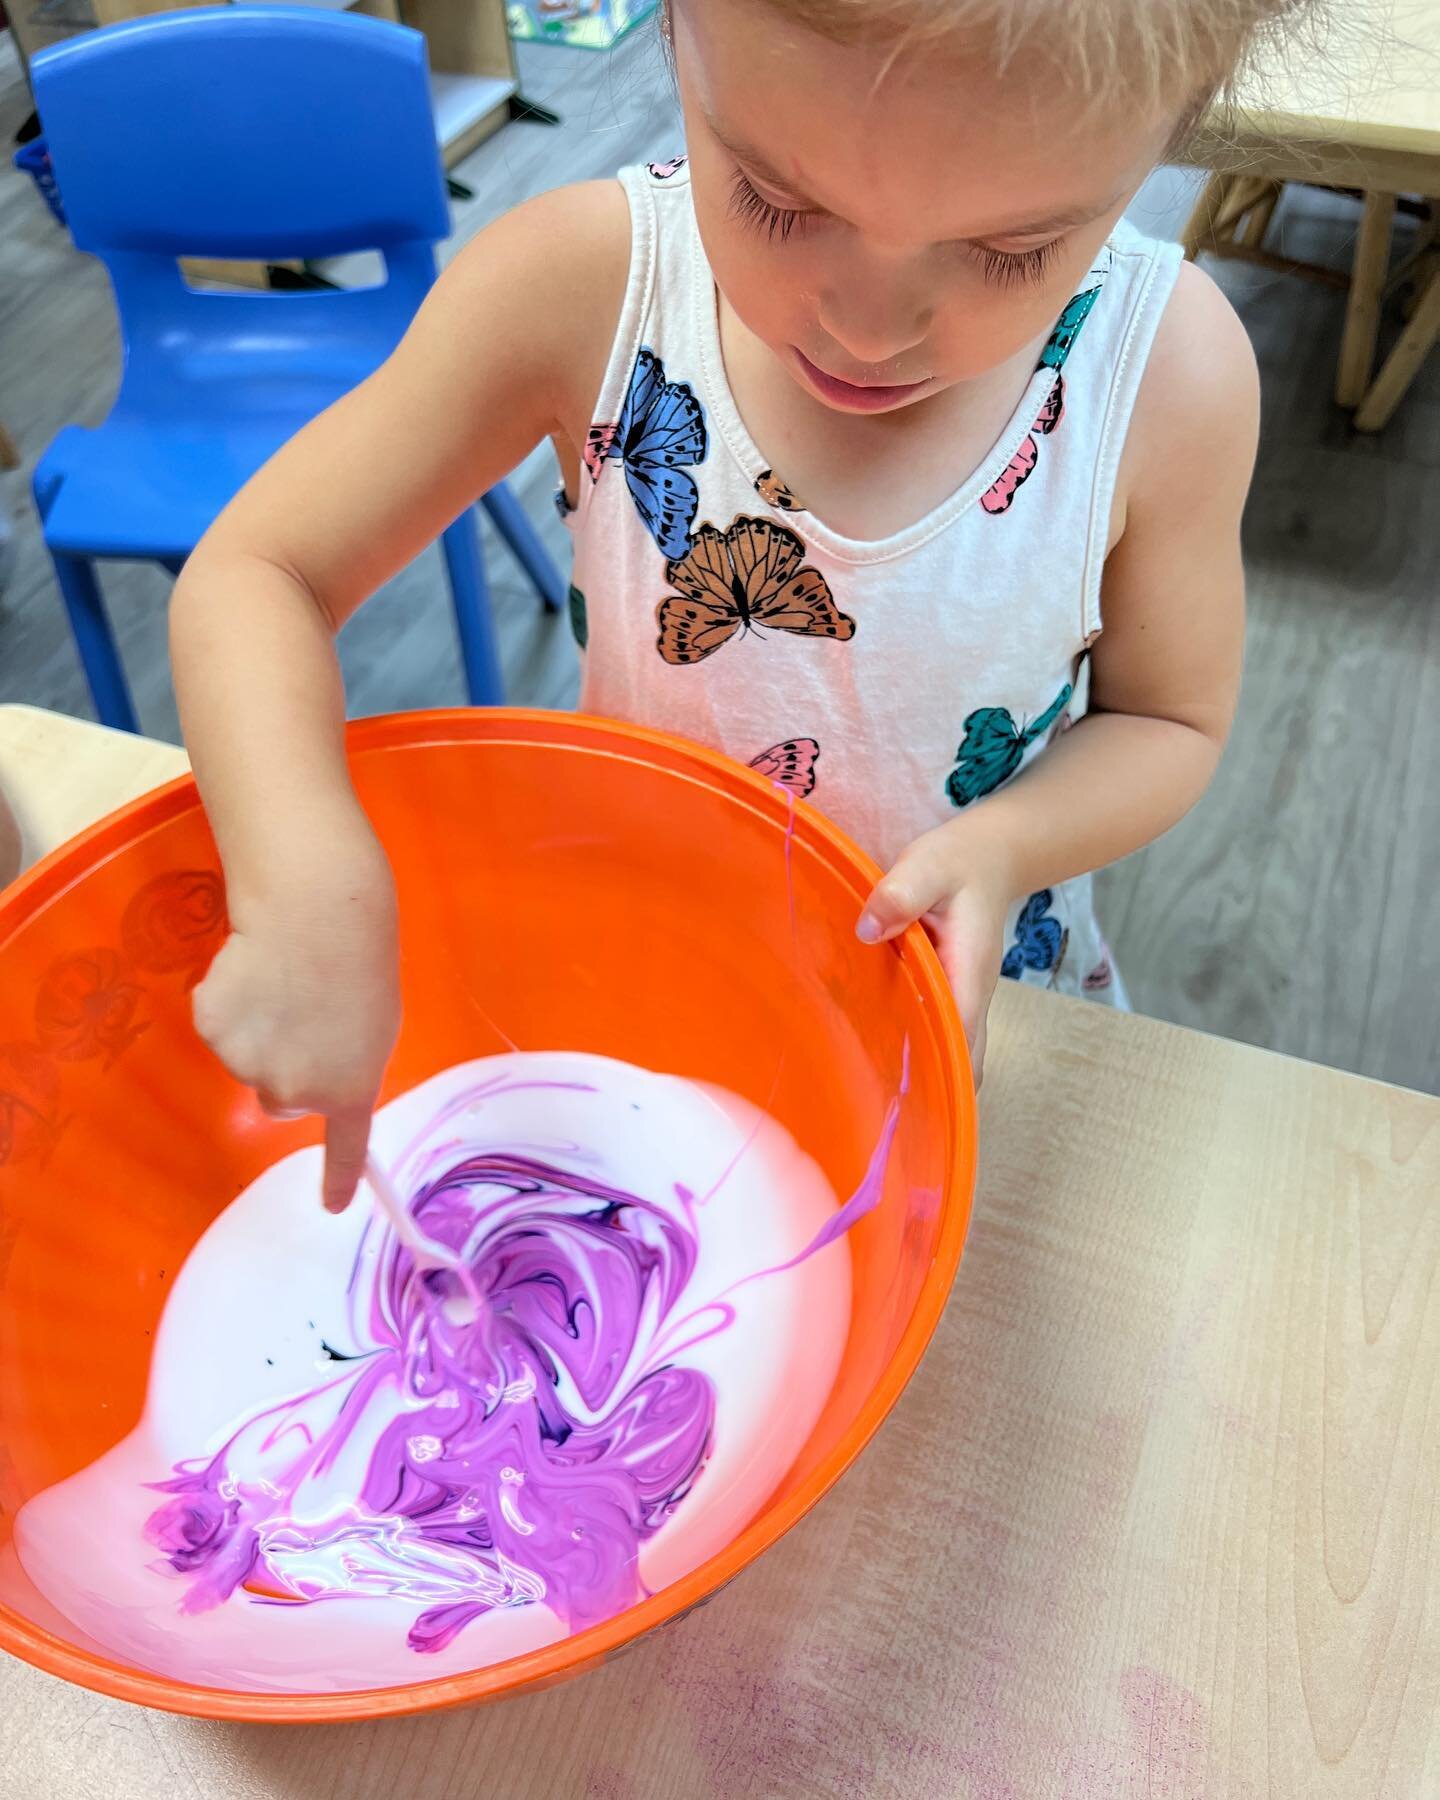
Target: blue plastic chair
[[240, 132]]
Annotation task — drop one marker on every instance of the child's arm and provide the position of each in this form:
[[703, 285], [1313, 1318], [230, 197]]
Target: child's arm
[[1164, 674], [302, 1001]]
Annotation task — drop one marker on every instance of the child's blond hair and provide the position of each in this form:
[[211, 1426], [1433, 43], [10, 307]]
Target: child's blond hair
[[1154, 52]]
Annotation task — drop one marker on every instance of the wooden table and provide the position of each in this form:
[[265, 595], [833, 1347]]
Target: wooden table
[[1359, 109], [1156, 1520]]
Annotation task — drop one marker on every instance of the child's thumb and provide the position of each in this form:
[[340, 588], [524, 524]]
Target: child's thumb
[[918, 882]]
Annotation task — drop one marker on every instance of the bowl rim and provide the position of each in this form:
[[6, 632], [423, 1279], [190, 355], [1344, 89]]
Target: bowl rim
[[572, 1655]]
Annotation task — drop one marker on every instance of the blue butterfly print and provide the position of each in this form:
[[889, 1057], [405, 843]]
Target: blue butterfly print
[[993, 748], [1039, 939], [1067, 328], [660, 437]]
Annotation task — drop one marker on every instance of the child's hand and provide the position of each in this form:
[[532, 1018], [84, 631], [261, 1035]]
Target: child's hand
[[960, 891], [302, 1003]]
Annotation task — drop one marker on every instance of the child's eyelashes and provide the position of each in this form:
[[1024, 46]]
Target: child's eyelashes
[[1016, 268], [1005, 268], [751, 207]]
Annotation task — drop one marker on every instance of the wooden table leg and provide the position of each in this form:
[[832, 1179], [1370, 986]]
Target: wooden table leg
[[1367, 282], [9, 455], [1403, 363]]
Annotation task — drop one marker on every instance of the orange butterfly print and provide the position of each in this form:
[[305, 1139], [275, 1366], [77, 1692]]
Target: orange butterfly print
[[773, 491], [748, 578]]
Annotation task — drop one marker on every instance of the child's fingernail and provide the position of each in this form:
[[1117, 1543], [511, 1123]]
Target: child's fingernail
[[869, 930]]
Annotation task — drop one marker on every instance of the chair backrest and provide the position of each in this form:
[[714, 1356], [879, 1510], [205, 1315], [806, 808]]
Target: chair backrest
[[246, 132]]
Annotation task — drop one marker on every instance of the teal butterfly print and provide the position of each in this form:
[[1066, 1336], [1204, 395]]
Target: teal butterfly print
[[579, 616], [1067, 328], [993, 748]]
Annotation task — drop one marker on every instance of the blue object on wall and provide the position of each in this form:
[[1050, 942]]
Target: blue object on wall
[[268, 133]]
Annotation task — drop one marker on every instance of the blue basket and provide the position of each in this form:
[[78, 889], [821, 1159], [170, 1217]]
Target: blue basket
[[34, 159]]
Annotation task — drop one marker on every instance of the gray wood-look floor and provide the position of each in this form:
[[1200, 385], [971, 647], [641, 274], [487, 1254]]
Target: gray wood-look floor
[[1296, 908]]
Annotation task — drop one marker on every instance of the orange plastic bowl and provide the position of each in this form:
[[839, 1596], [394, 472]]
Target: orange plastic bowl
[[595, 887]]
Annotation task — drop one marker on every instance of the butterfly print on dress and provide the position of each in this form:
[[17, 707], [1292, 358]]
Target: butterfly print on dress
[[1067, 328], [1100, 977], [773, 491], [994, 747], [1040, 940], [790, 765], [579, 616], [659, 438], [599, 443], [750, 578], [998, 496]]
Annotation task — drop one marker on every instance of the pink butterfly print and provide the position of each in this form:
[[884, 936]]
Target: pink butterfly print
[[662, 171], [599, 441], [997, 497], [1053, 410], [1099, 977], [790, 765]]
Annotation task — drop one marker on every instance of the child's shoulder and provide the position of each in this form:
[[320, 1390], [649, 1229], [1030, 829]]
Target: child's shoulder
[[563, 252], [549, 275], [1199, 396]]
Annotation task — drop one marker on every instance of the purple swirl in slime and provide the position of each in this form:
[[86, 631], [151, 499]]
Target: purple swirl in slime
[[621, 1353], [525, 1457]]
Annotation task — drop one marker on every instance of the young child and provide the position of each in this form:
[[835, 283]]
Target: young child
[[889, 452]]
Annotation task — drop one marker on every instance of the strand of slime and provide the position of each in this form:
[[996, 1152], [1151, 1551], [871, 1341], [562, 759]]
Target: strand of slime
[[463, 1308]]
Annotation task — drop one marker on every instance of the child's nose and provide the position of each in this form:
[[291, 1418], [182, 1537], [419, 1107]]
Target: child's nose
[[872, 322]]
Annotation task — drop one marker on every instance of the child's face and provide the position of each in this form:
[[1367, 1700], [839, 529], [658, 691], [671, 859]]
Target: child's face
[[890, 234]]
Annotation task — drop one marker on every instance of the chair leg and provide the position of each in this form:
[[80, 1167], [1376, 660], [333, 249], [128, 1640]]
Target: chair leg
[[1224, 202], [1200, 230], [508, 518], [1401, 366], [471, 596], [1257, 223], [1362, 315], [95, 641]]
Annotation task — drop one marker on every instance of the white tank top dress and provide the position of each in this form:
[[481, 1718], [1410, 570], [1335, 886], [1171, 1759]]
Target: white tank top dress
[[893, 683]]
